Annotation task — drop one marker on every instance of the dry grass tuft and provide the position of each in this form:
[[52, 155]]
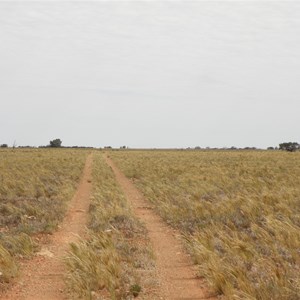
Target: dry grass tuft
[[8, 268], [94, 265]]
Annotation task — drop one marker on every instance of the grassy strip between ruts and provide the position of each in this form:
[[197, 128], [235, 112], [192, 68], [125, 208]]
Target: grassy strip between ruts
[[116, 260], [238, 211], [35, 187]]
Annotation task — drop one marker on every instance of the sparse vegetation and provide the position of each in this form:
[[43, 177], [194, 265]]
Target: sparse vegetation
[[116, 259], [238, 212], [35, 186]]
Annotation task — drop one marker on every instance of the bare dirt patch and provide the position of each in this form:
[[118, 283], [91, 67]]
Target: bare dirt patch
[[175, 270], [43, 276]]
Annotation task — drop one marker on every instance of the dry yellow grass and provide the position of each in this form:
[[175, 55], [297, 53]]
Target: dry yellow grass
[[35, 185], [116, 260], [239, 213]]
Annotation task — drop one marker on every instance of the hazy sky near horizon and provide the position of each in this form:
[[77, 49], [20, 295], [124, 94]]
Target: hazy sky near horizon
[[150, 73]]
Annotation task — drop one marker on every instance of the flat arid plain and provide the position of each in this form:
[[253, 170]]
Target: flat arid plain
[[149, 224]]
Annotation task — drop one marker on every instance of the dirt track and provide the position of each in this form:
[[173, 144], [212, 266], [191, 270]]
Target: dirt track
[[42, 278], [174, 267]]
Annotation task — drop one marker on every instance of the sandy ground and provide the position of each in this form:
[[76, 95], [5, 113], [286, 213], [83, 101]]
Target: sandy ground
[[43, 276], [175, 270]]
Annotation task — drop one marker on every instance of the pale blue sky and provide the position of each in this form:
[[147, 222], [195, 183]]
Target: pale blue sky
[[150, 73]]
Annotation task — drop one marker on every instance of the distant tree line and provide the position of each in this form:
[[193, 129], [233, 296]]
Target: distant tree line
[[57, 143], [290, 146], [287, 146], [223, 148]]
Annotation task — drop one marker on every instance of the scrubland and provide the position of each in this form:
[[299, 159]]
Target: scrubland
[[35, 186], [116, 260], [238, 211]]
